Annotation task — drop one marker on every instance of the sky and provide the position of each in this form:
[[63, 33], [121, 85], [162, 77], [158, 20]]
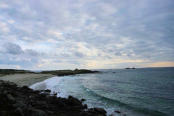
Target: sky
[[93, 34]]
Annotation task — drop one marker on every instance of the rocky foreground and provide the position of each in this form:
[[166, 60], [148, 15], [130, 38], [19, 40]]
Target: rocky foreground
[[23, 101]]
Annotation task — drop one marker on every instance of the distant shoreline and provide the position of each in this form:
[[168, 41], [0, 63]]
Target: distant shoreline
[[27, 78]]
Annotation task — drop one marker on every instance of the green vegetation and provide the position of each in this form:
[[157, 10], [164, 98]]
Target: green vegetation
[[54, 72], [13, 71], [68, 72]]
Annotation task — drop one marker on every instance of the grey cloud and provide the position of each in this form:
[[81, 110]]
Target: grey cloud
[[13, 54], [100, 24], [12, 48], [31, 52], [118, 53], [79, 54], [15, 49]]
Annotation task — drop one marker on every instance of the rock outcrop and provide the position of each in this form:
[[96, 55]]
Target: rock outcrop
[[23, 101]]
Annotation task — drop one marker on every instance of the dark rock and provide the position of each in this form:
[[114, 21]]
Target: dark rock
[[19, 112], [98, 111], [85, 106], [54, 94], [117, 111], [37, 112], [83, 100], [3, 113], [25, 87], [20, 104], [5, 92], [23, 101], [47, 90], [74, 101], [11, 98]]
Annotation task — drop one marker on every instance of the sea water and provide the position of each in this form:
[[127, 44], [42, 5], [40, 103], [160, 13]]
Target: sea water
[[133, 92]]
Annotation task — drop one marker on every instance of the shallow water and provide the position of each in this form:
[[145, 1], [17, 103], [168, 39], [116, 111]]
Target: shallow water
[[139, 92]]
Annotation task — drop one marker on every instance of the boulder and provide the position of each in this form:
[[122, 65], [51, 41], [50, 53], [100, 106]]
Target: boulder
[[98, 111], [47, 90], [82, 100], [11, 98], [23, 101], [74, 101], [37, 112], [20, 104], [19, 112], [85, 106], [117, 111]]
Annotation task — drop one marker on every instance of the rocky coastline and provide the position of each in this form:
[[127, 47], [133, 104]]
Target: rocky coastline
[[23, 101]]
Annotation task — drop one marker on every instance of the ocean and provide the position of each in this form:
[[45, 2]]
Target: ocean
[[133, 92]]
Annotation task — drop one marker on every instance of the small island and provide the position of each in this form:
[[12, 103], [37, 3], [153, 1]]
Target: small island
[[130, 68]]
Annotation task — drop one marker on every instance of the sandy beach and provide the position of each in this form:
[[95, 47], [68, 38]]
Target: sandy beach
[[25, 79]]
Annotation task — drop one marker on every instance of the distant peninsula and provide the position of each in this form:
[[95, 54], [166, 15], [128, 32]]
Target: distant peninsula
[[53, 72], [130, 68]]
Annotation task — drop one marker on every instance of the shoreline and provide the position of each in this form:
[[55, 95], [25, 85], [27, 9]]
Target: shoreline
[[16, 95], [28, 78], [23, 101]]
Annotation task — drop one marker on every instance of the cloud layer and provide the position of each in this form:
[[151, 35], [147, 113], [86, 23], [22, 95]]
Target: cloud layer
[[59, 34]]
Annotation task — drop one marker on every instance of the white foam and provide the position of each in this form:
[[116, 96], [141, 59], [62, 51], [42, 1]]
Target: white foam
[[51, 84]]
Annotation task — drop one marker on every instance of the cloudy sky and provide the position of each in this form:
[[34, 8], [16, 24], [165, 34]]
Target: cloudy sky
[[68, 34]]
